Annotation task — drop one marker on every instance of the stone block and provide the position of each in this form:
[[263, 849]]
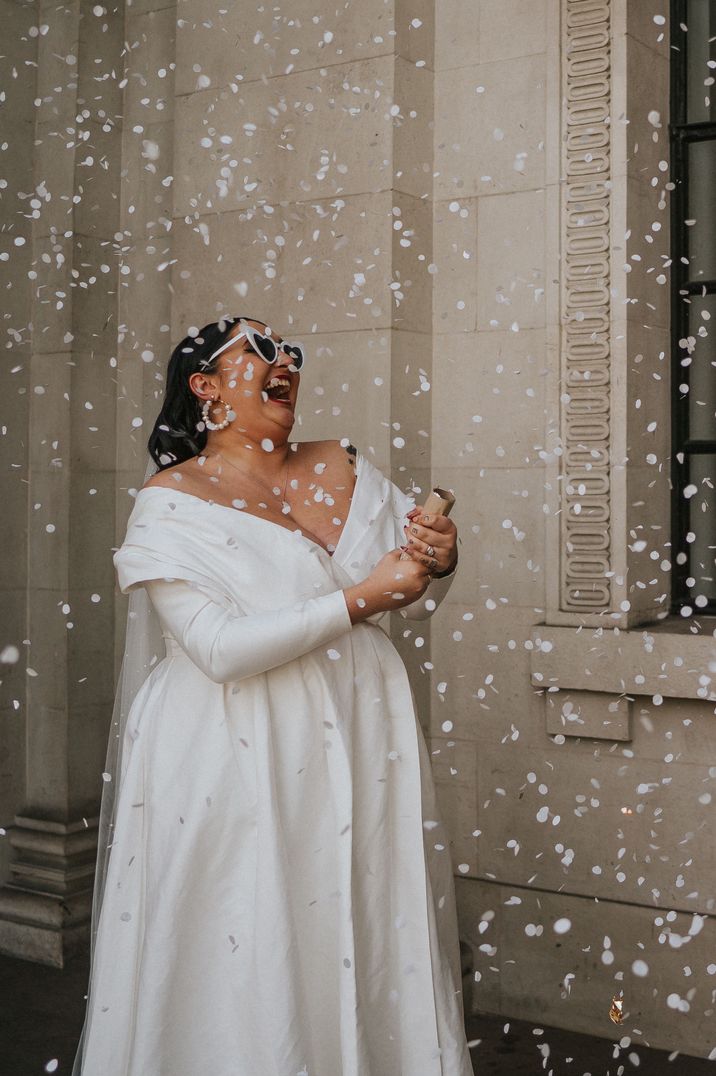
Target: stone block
[[345, 388], [454, 767], [483, 663], [594, 715], [410, 397], [650, 660], [511, 29], [478, 379], [413, 129], [558, 959], [502, 556], [643, 288], [510, 249], [490, 129], [296, 137], [412, 245], [415, 25], [455, 261], [218, 42], [334, 263], [597, 819], [456, 34], [45, 929], [148, 179], [641, 26], [150, 64]]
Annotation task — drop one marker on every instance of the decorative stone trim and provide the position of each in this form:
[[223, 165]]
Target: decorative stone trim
[[585, 316], [628, 663]]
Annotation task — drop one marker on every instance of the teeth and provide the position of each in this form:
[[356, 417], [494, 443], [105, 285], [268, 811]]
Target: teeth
[[278, 381]]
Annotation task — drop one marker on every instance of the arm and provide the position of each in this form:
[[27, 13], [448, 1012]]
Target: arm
[[228, 647], [430, 599]]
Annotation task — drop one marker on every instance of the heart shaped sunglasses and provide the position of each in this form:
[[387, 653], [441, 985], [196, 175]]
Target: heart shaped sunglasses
[[265, 347]]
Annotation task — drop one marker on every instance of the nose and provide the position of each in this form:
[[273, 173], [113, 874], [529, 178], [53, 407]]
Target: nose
[[283, 359]]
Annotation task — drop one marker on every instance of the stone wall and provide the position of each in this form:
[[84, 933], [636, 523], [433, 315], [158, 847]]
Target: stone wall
[[462, 209]]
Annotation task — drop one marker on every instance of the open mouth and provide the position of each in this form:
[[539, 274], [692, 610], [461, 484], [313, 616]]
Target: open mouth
[[278, 390]]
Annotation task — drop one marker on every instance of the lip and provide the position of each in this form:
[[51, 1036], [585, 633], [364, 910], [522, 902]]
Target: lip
[[286, 399]]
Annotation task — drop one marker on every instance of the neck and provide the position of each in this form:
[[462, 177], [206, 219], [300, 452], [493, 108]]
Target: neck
[[248, 454]]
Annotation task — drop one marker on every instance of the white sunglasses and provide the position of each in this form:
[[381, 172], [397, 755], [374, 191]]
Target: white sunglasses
[[265, 347]]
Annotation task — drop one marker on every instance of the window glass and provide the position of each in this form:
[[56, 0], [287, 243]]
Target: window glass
[[701, 50], [701, 343]]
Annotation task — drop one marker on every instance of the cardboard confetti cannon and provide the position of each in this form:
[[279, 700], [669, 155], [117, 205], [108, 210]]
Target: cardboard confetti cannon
[[439, 502]]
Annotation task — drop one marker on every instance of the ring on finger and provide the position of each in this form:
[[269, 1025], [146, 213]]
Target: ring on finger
[[430, 551]]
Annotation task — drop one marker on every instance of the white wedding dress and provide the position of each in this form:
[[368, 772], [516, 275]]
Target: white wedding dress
[[279, 897]]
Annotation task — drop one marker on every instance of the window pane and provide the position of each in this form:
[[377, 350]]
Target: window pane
[[702, 521], [701, 22], [702, 370], [702, 208]]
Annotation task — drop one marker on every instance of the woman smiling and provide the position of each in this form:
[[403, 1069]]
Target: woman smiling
[[279, 896]]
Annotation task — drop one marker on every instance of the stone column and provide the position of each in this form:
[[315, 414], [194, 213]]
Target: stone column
[[608, 317], [45, 907]]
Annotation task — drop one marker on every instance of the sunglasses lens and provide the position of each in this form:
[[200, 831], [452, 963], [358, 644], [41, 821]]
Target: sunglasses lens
[[266, 347], [295, 353]]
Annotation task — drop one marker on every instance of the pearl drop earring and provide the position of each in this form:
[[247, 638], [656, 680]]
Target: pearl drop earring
[[216, 425]]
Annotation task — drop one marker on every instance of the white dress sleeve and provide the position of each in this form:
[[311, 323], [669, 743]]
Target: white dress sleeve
[[229, 647], [424, 606]]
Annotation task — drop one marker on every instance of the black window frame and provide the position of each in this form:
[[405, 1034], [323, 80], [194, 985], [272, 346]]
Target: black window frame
[[681, 135]]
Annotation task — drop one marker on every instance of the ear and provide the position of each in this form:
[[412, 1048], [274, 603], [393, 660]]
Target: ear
[[202, 386]]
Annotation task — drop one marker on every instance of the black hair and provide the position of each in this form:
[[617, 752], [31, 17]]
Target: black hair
[[179, 432]]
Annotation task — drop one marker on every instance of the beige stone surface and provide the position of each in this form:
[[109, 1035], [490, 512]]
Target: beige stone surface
[[302, 136], [480, 379], [455, 261], [344, 389], [481, 656], [327, 274], [398, 208], [490, 127], [510, 251], [593, 715], [224, 44], [523, 965]]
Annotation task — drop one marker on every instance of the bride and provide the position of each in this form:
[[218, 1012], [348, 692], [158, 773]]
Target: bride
[[274, 892]]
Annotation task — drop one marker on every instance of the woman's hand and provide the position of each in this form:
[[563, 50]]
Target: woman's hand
[[438, 532], [392, 584]]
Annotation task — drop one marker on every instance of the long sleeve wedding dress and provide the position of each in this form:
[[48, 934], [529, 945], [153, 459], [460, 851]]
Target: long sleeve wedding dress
[[279, 897]]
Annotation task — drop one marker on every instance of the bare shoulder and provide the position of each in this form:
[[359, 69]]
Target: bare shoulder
[[340, 457], [181, 475]]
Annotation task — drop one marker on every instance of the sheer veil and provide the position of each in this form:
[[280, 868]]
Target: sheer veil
[[144, 648]]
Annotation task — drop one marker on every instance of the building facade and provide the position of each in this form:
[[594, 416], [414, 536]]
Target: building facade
[[468, 210]]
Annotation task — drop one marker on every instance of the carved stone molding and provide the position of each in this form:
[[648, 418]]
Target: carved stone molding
[[585, 354]]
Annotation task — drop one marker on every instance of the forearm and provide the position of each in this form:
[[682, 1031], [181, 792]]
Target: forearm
[[424, 607], [229, 647]]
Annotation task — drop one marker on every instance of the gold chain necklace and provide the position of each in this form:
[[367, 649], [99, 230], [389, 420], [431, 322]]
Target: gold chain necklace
[[246, 474]]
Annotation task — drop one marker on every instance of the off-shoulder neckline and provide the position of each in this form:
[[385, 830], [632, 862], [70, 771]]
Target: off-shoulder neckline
[[269, 522]]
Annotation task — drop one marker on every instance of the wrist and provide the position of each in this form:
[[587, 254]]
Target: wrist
[[448, 571], [356, 611]]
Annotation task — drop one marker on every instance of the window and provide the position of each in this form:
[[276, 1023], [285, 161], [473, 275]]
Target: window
[[693, 304]]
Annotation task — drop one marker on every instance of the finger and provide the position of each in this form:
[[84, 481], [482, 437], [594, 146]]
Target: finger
[[425, 535], [429, 563], [443, 556], [415, 557], [434, 522]]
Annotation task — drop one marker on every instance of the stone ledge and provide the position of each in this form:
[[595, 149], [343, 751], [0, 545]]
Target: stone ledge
[[43, 927], [651, 660]]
